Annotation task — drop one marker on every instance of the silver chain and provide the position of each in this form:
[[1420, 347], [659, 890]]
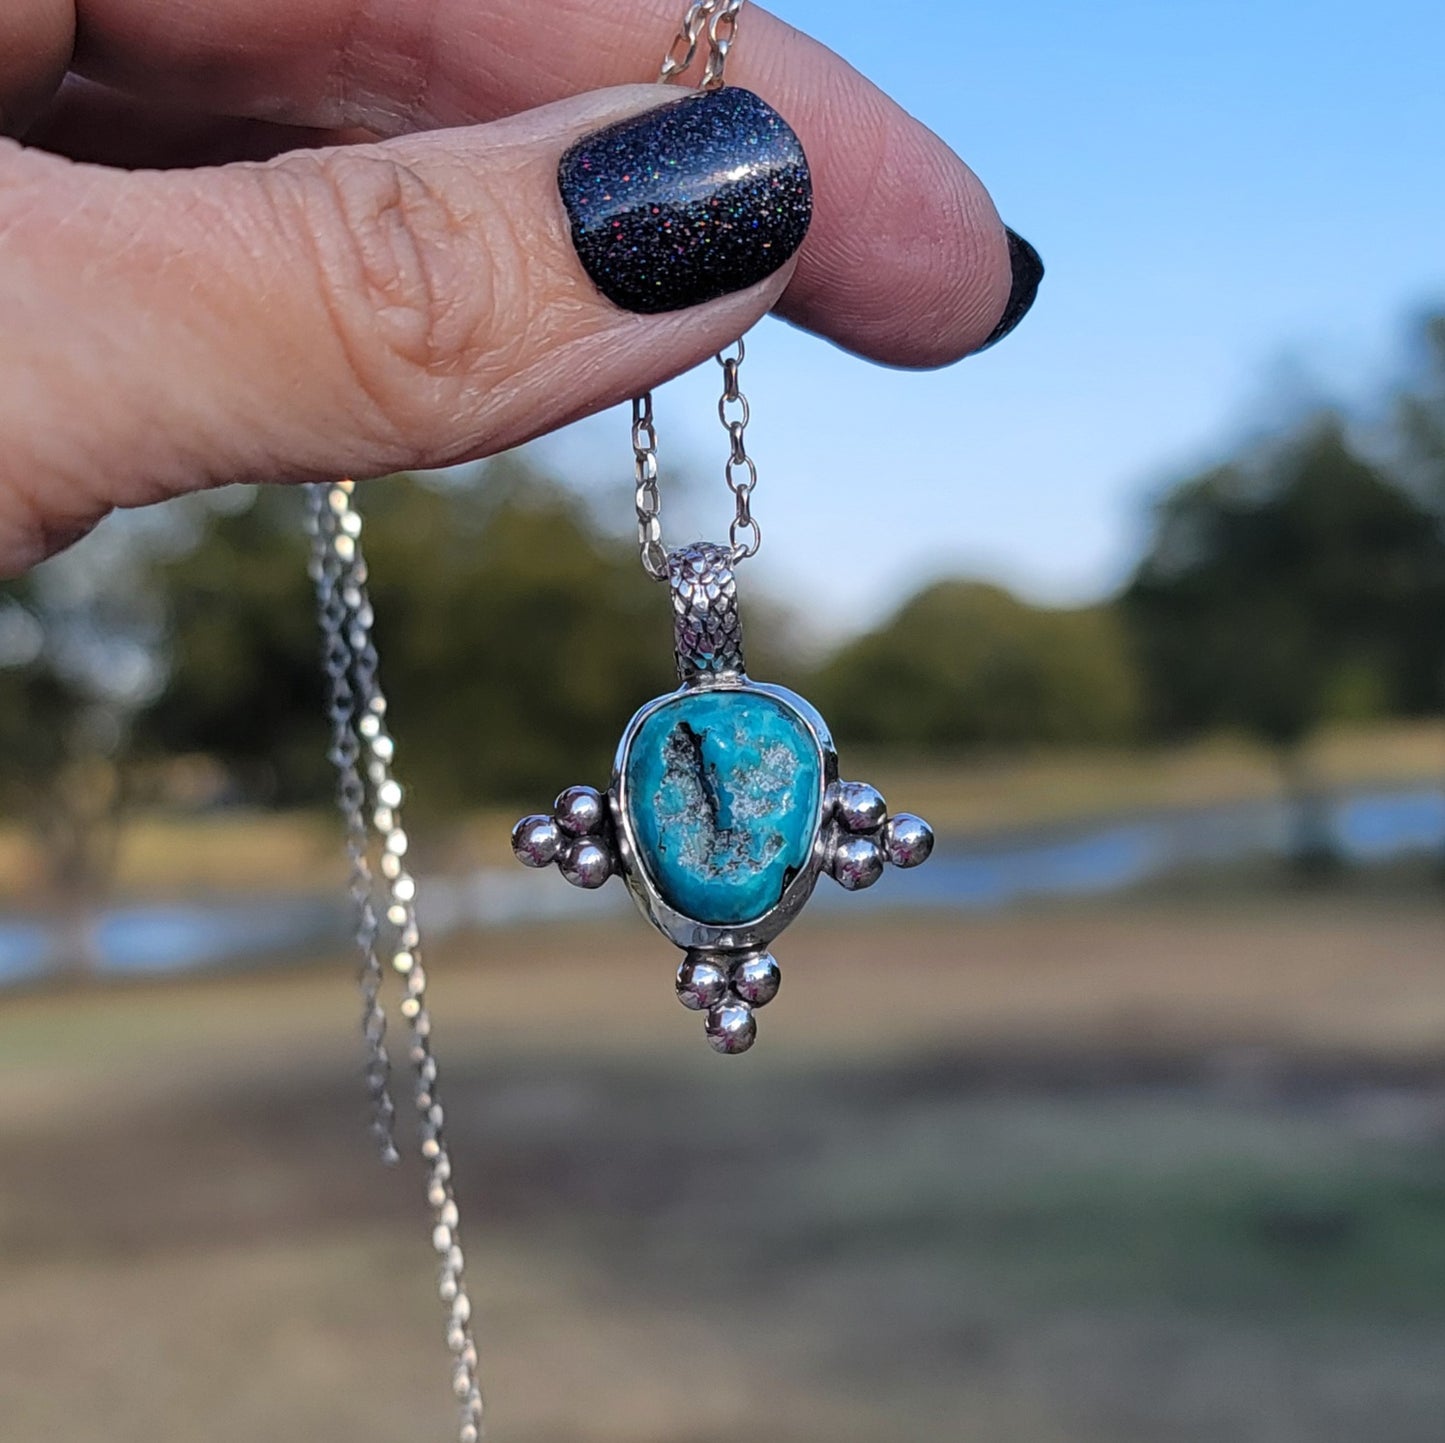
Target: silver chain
[[715, 23], [739, 472], [370, 797], [370, 800], [649, 499]]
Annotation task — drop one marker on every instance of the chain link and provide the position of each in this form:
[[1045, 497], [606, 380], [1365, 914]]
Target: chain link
[[336, 662], [370, 800], [370, 797], [649, 499], [716, 22], [740, 472]]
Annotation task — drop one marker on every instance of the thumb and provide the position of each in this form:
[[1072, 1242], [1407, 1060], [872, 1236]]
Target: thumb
[[413, 303]]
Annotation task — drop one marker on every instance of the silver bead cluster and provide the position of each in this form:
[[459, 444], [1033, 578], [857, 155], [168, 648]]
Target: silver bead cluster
[[577, 836], [728, 986], [864, 838]]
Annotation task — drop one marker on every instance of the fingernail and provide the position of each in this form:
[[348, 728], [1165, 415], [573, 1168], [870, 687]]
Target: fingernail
[[1028, 271], [688, 202]]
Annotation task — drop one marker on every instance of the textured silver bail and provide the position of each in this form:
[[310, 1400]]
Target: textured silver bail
[[707, 631]]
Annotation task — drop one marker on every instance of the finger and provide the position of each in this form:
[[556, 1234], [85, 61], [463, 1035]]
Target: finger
[[906, 262], [93, 123], [367, 309], [36, 38]]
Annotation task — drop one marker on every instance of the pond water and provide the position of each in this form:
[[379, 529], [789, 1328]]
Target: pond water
[[1091, 858], [1366, 827]]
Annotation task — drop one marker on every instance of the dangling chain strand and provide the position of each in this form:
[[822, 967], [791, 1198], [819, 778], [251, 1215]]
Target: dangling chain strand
[[370, 797], [717, 22], [357, 709], [744, 533], [719, 19], [740, 472], [327, 567], [649, 499]]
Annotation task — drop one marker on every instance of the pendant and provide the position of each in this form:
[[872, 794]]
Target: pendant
[[724, 810]]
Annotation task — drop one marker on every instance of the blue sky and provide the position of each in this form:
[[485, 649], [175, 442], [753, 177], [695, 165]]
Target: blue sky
[[1234, 202]]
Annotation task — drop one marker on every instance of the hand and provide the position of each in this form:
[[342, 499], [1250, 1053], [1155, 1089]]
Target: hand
[[346, 252]]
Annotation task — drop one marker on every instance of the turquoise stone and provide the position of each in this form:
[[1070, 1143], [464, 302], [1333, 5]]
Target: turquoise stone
[[723, 797]]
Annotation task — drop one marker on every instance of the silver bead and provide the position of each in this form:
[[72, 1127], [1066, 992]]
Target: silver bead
[[857, 863], [861, 808], [756, 978], [580, 810], [731, 1027], [701, 982], [536, 841], [585, 863], [908, 840]]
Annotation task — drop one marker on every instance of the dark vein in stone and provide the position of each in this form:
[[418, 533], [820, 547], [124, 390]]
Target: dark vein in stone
[[692, 742]]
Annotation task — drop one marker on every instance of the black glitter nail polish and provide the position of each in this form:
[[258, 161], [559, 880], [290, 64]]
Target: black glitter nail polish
[[688, 202], [1028, 271]]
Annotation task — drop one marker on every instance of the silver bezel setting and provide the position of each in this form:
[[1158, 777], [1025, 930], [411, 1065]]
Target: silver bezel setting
[[687, 931]]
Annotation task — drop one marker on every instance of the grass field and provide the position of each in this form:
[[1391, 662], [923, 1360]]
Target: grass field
[[1159, 1170], [235, 850]]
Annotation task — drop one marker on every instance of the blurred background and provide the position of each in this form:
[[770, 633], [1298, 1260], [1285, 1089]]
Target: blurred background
[[1122, 1120]]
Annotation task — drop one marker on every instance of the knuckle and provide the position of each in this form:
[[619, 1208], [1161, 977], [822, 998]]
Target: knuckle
[[408, 281]]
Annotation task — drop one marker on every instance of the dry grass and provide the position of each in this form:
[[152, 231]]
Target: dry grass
[[1353, 970], [1154, 1172], [1018, 791], [241, 851]]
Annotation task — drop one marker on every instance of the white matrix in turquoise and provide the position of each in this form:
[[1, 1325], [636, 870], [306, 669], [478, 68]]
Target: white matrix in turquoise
[[724, 794]]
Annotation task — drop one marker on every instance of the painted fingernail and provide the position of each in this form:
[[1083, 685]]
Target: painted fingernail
[[1028, 271], [694, 200]]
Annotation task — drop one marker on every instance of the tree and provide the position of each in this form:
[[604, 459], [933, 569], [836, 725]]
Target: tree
[[243, 685], [1419, 417], [78, 664], [1279, 592], [515, 638], [1418, 427], [515, 641], [967, 664]]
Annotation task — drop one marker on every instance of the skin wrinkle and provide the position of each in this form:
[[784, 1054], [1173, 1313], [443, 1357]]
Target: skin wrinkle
[[243, 242], [928, 247], [884, 170], [24, 520], [836, 279], [205, 357], [56, 491], [341, 86], [40, 515], [529, 259], [100, 353], [564, 316], [167, 431], [559, 296], [31, 175], [312, 216], [508, 55], [522, 245], [401, 232], [604, 353], [416, 47]]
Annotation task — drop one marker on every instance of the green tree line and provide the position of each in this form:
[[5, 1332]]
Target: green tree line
[[1301, 581]]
